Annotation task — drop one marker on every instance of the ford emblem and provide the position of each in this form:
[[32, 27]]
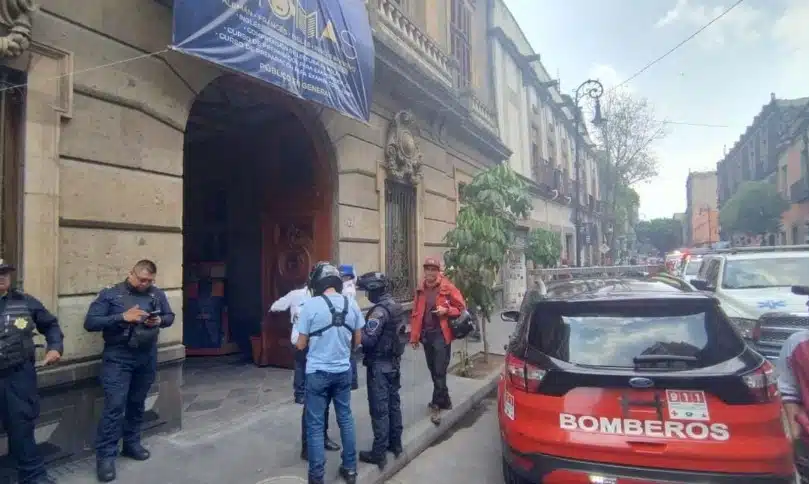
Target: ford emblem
[[639, 382]]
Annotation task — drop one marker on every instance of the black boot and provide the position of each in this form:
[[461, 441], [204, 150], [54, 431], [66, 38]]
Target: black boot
[[331, 445], [396, 450], [369, 457], [348, 475], [135, 452], [105, 469]]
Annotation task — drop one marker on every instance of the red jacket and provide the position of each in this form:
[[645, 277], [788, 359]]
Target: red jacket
[[449, 297]]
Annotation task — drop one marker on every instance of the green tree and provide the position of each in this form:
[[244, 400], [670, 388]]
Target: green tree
[[543, 247], [664, 234], [484, 233], [755, 208]]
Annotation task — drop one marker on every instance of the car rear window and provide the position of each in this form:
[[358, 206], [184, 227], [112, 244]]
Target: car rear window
[[616, 333]]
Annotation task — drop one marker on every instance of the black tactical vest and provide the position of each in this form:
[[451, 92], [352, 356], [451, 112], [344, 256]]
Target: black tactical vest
[[392, 341], [16, 333]]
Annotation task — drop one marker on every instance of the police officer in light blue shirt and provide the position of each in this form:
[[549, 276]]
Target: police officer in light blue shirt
[[330, 326]]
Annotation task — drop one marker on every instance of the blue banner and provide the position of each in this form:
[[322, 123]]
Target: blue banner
[[317, 50]]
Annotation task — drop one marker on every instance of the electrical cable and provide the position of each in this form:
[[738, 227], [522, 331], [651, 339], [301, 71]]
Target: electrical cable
[[89, 69], [673, 49]]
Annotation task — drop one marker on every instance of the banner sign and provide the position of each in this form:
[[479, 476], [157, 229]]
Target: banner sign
[[317, 50]]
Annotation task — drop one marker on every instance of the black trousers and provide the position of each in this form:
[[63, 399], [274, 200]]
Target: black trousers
[[385, 405], [19, 409], [438, 353]]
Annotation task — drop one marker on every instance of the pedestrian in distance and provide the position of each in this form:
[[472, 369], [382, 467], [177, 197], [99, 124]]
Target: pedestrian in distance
[[437, 301], [384, 340], [350, 290], [331, 328], [21, 313], [129, 315]]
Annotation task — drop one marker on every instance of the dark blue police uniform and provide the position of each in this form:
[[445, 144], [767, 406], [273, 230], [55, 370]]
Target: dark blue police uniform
[[20, 314], [128, 364], [383, 343]]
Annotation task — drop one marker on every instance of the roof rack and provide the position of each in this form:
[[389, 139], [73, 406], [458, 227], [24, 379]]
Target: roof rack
[[561, 273], [768, 248]]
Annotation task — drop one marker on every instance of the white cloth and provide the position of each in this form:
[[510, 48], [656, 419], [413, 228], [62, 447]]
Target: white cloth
[[292, 302]]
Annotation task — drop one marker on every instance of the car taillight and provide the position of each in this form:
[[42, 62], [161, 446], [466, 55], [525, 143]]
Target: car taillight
[[522, 375], [762, 382]]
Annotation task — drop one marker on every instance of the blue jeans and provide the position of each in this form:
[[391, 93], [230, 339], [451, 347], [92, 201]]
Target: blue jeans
[[321, 389], [354, 378]]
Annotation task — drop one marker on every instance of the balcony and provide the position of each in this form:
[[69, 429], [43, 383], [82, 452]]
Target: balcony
[[799, 191], [542, 173], [389, 21], [480, 112]]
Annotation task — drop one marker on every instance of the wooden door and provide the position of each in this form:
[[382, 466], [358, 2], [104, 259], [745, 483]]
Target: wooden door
[[287, 255]]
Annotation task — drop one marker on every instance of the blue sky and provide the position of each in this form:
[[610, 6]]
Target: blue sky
[[721, 77]]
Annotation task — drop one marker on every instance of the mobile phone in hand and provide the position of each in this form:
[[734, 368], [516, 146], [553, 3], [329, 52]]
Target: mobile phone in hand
[[155, 314]]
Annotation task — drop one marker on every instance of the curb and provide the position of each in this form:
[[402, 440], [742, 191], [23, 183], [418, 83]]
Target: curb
[[422, 441]]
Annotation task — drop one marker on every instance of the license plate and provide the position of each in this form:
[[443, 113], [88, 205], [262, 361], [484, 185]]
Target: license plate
[[508, 405], [687, 405]]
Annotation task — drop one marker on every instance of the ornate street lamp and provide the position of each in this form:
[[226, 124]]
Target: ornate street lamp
[[594, 90]]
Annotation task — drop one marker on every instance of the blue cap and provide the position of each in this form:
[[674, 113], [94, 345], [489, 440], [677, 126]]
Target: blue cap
[[347, 270]]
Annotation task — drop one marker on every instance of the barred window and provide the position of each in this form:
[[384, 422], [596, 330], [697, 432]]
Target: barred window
[[460, 30], [400, 238], [12, 99]]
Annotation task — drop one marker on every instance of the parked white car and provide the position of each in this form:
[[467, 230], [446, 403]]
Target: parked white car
[[754, 286]]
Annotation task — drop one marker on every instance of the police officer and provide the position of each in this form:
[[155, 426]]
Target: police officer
[[19, 399], [383, 343], [130, 315]]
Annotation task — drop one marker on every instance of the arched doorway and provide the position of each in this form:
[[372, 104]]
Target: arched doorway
[[258, 197]]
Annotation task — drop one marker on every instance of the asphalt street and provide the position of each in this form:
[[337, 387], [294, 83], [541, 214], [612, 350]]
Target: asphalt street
[[468, 454]]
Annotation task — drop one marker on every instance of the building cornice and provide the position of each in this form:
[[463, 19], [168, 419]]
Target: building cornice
[[524, 63]]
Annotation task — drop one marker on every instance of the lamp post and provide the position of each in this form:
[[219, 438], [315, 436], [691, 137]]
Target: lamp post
[[594, 90]]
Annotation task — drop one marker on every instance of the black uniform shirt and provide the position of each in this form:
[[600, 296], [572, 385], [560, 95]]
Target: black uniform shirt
[[46, 323]]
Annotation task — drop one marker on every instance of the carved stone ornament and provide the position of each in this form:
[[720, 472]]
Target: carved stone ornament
[[402, 152], [16, 16]]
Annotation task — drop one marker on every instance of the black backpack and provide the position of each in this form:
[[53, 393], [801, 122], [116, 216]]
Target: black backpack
[[338, 320]]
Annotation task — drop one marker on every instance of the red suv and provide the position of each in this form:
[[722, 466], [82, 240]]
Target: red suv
[[629, 381]]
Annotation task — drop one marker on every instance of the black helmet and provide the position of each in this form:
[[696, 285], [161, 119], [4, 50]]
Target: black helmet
[[462, 325], [312, 272], [324, 276], [372, 282]]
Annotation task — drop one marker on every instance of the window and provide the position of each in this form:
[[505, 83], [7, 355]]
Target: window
[[400, 238], [461, 196], [11, 116], [615, 333], [460, 29], [766, 272]]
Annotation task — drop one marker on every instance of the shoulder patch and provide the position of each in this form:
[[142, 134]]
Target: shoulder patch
[[377, 313], [372, 325]]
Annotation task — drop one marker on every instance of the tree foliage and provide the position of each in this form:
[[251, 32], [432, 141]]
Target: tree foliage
[[626, 140], [664, 234], [627, 136], [755, 208], [493, 202], [543, 247]]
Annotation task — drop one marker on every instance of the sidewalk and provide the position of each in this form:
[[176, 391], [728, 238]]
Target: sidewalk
[[263, 444]]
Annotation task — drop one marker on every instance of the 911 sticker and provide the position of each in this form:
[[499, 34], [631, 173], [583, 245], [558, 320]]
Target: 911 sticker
[[687, 405], [508, 405], [630, 427]]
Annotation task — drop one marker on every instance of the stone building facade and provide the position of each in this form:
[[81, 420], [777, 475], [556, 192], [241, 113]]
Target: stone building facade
[[793, 181], [536, 122], [107, 118]]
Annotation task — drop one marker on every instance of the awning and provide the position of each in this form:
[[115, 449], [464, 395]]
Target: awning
[[317, 50]]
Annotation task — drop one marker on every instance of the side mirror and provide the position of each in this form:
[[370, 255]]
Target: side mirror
[[800, 290], [700, 285], [512, 316]]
